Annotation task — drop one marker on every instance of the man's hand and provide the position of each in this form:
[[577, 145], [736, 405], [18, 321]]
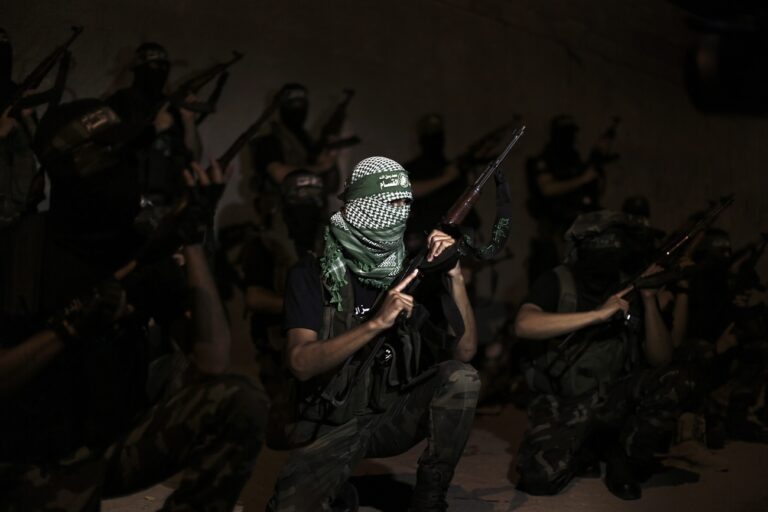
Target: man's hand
[[649, 293], [324, 162], [163, 119], [395, 303], [188, 116], [727, 340], [92, 314], [614, 303], [7, 123], [589, 175], [204, 189], [437, 241]]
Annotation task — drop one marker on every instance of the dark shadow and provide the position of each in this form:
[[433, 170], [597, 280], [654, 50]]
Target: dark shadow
[[382, 492], [669, 476]]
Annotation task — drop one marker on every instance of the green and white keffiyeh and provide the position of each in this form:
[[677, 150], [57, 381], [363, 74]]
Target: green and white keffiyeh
[[366, 235]]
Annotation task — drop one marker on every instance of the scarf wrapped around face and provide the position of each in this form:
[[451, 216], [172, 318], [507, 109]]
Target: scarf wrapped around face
[[366, 235]]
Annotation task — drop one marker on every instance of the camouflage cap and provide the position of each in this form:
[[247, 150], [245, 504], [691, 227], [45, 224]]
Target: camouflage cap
[[594, 223]]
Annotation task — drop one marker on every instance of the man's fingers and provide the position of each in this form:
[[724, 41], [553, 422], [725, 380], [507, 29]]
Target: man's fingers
[[202, 176], [406, 281], [189, 180], [216, 175], [625, 291]]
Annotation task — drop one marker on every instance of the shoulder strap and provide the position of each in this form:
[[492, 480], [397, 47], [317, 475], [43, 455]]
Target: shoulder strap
[[569, 300]]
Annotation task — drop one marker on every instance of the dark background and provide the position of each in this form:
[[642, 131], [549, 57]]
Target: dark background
[[478, 62]]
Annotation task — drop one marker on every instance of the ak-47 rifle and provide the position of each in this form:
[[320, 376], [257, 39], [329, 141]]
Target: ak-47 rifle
[[479, 152], [332, 128], [193, 85], [671, 250], [18, 101], [457, 213]]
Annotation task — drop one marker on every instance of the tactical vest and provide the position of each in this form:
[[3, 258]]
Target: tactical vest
[[582, 365]]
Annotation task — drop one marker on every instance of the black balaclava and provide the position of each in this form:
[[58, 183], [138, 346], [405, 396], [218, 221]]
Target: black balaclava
[[151, 70], [6, 65], [432, 136], [562, 135], [600, 259], [294, 106], [303, 209]]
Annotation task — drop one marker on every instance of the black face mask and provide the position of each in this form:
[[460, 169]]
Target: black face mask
[[105, 202], [150, 79], [564, 138], [433, 143], [302, 224], [6, 65], [294, 115]]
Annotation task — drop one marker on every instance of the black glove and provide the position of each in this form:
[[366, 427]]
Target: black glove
[[91, 314], [187, 224]]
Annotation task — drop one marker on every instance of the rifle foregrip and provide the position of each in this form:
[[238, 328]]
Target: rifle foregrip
[[461, 208]]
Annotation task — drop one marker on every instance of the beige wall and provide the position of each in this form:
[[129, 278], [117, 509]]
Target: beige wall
[[477, 62]]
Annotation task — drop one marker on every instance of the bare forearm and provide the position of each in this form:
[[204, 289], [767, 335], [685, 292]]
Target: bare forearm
[[20, 364], [535, 324], [680, 319], [554, 187], [211, 337], [658, 342], [192, 139], [262, 300], [467, 345], [311, 359]]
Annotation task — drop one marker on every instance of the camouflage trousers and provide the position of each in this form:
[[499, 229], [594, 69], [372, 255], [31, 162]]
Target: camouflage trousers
[[634, 415], [210, 430], [440, 409]]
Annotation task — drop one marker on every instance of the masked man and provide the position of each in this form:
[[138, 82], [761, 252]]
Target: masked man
[[18, 168], [603, 393], [373, 382], [170, 139]]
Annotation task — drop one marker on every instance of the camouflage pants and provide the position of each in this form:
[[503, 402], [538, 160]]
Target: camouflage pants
[[210, 430], [441, 409], [640, 409]]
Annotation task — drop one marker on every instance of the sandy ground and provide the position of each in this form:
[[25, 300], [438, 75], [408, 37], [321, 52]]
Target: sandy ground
[[734, 479]]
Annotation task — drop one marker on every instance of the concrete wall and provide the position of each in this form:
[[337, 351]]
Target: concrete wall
[[477, 62]]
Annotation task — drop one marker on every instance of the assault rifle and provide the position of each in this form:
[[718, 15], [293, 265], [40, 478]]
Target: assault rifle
[[477, 153], [160, 243], [454, 217], [332, 128], [18, 101], [671, 250], [193, 85]]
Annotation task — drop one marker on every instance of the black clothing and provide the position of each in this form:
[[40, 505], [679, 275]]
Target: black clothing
[[259, 270], [304, 300], [267, 149], [95, 387], [563, 164], [162, 157]]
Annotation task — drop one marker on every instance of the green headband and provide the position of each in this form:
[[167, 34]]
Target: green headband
[[373, 184]]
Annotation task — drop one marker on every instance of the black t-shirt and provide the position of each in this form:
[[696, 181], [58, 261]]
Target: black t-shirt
[[563, 165], [304, 296], [259, 270], [268, 148]]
